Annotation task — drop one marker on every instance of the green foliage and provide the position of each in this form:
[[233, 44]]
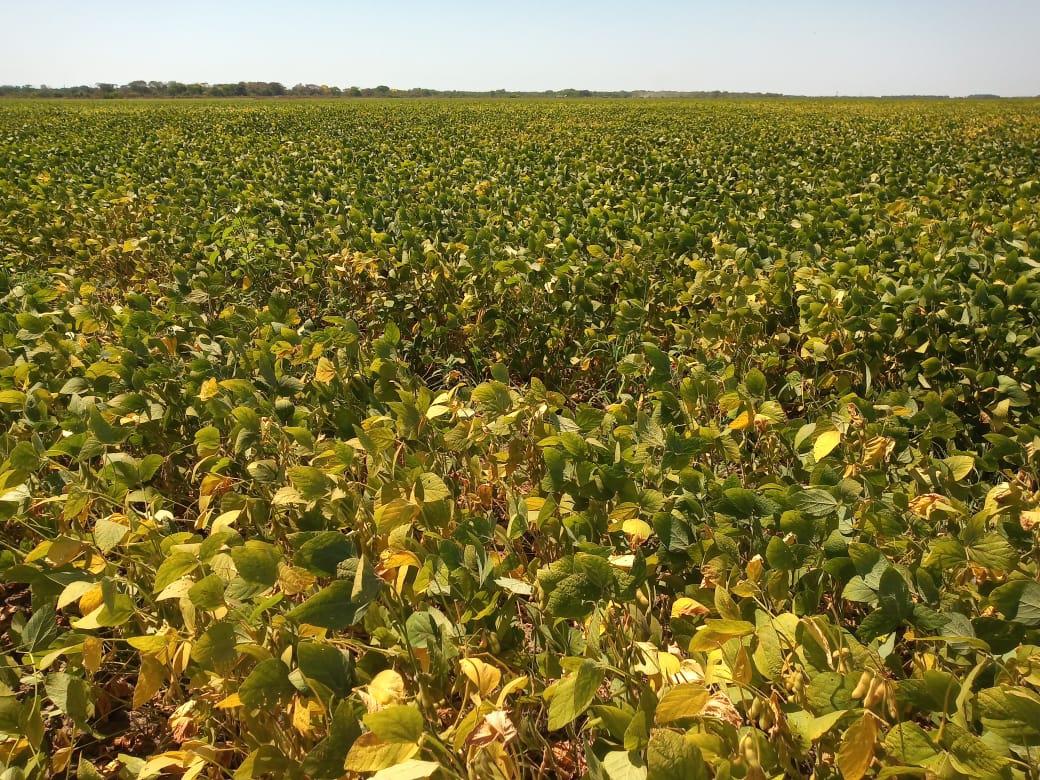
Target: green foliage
[[481, 439]]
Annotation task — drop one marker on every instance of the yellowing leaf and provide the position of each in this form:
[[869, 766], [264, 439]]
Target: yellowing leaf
[[93, 649], [960, 466], [514, 685], [496, 727], [877, 450], [825, 444], [387, 687], [857, 748], [370, 754], [149, 680], [91, 600], [209, 389], [437, 410], [412, 769], [682, 701], [325, 371], [637, 530], [741, 421], [926, 503], [1030, 519], [684, 606], [483, 675]]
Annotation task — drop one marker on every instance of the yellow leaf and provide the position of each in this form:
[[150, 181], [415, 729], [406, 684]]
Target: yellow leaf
[[93, 649], [91, 600], [209, 389], [398, 559], [63, 550], [514, 685], [74, 591], [857, 748], [60, 760], [157, 645], [483, 675], [387, 687], [877, 450], [370, 754], [960, 465], [301, 716], [149, 680], [294, 580], [325, 372], [1030, 519], [229, 703], [437, 410], [638, 530], [225, 520], [825, 444], [682, 701], [741, 421], [684, 606], [926, 503]]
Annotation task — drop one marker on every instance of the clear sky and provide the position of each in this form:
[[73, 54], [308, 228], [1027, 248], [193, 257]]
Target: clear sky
[[796, 46]]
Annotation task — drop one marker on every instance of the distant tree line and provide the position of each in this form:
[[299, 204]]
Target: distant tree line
[[177, 89]]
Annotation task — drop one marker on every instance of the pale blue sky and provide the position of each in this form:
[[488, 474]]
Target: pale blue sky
[[796, 46]]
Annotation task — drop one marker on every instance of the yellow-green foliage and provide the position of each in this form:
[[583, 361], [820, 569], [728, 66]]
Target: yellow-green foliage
[[520, 439]]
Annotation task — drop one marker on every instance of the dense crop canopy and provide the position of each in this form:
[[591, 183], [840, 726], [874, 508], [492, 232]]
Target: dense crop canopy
[[520, 439]]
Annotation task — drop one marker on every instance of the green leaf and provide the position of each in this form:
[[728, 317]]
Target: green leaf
[[331, 607], [172, 569], [933, 691], [103, 432], [40, 631], [671, 756], [779, 555], [257, 562], [310, 482], [72, 696], [492, 398], [1012, 713], [208, 593], [572, 695], [432, 488], [816, 502], [325, 760], [993, 551], [326, 665], [910, 744], [215, 649], [267, 686], [624, 765], [717, 632], [265, 761], [323, 552], [970, 755], [108, 534], [1019, 601]]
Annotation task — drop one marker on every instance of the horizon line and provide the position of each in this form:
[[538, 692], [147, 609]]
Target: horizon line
[[383, 89]]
